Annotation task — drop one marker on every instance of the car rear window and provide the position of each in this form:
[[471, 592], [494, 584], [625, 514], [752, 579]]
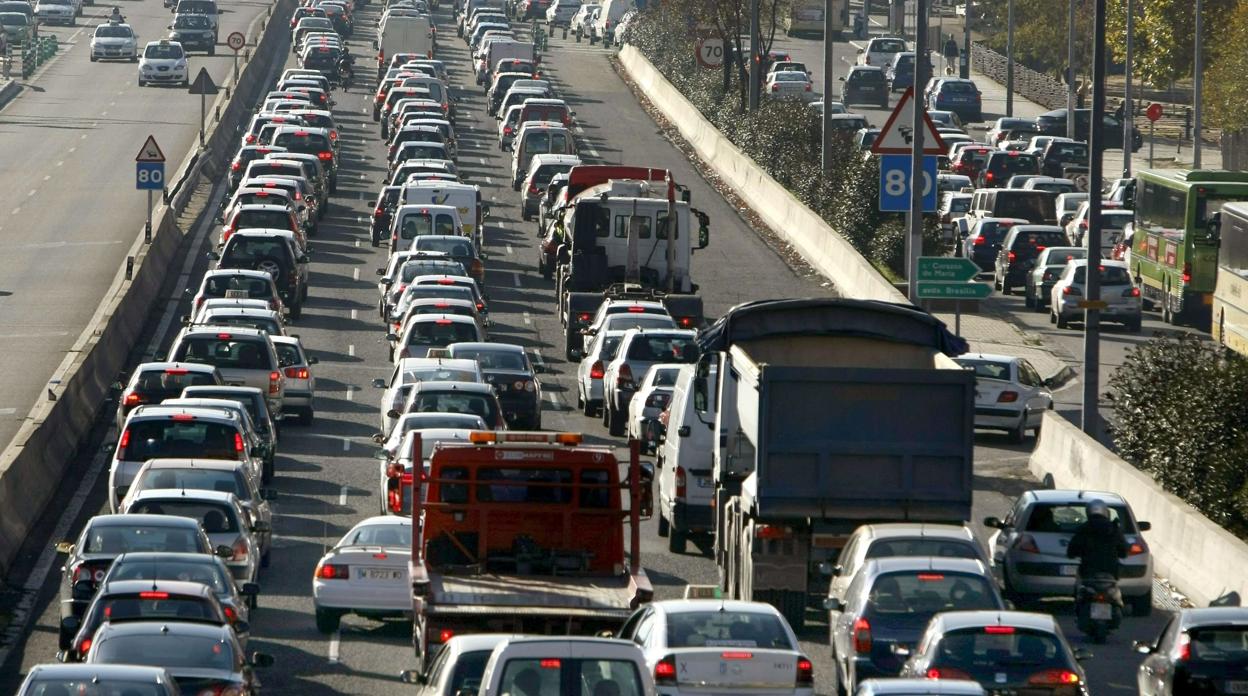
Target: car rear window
[[1015, 163], [543, 676], [248, 401], [1066, 518], [448, 291], [457, 310], [250, 288], [866, 76], [1219, 644], [620, 322], [1069, 151], [225, 481], [170, 651], [1027, 205], [287, 354], [216, 519], [887, 46], [994, 231], [134, 538], [251, 249], [156, 605], [411, 269], [260, 219], [171, 382], [419, 224], [1029, 241], [679, 349], [712, 629], [975, 649], [1110, 275], [456, 402], [302, 141], [441, 333], [958, 88], [452, 247], [943, 548], [490, 359], [167, 438], [226, 351], [913, 597], [205, 573]]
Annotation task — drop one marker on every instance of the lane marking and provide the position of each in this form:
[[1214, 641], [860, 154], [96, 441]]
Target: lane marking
[[488, 180], [355, 273], [525, 316], [510, 250], [516, 275], [342, 496], [16, 211], [60, 163], [7, 411], [351, 350], [346, 444], [334, 640], [354, 313], [350, 393], [30, 193]]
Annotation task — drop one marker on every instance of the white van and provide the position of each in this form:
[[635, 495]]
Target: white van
[[404, 35], [412, 221], [502, 49], [538, 138], [686, 486], [466, 198], [612, 11]]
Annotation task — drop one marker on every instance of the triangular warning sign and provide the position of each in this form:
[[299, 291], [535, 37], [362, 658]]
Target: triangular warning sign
[[896, 139], [203, 83], [150, 151]]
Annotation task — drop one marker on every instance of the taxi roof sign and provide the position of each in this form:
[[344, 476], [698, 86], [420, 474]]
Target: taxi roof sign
[[895, 137], [150, 152]]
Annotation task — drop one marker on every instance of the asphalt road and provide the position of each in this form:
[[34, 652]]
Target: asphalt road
[[326, 475], [70, 209]]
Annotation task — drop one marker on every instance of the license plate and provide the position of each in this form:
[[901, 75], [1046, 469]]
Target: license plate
[[704, 482], [1070, 570], [1100, 611], [379, 574], [235, 294], [1237, 687]]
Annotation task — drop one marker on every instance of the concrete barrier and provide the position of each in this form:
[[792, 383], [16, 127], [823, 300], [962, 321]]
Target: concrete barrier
[[1189, 549], [32, 466], [821, 246]]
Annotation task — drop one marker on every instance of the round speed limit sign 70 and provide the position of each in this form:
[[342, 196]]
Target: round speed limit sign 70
[[711, 52]]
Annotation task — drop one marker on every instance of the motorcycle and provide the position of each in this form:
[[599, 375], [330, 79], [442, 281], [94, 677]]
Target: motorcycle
[[345, 74], [1098, 606]]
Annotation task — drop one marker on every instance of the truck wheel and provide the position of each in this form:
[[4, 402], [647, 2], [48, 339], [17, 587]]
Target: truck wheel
[[678, 540], [568, 337], [664, 526], [616, 424], [1142, 605], [793, 606], [327, 621]]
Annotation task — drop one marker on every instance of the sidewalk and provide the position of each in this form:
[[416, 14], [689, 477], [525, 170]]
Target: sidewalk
[[987, 333]]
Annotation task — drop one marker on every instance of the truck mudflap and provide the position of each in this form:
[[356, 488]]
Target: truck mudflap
[[685, 309]]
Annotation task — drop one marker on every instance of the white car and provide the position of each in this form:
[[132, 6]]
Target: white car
[[409, 371], [57, 11], [458, 666], [163, 61], [632, 319], [639, 349], [880, 51], [695, 646], [789, 84], [394, 482], [365, 573], [651, 398], [114, 41], [296, 366], [1010, 395], [546, 664], [593, 366], [1118, 291]]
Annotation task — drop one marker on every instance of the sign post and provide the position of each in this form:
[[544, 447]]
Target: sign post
[[236, 41], [711, 52], [949, 278], [203, 86], [1153, 113], [149, 176]]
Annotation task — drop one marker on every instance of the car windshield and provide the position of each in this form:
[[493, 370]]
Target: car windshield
[[163, 52], [494, 359], [132, 538], [411, 269], [168, 438], [459, 248], [866, 76], [1110, 275], [250, 249], [989, 369], [790, 77], [417, 224], [680, 349], [245, 322], [887, 46], [17, 19], [226, 351], [216, 519], [976, 649], [162, 384], [238, 286], [165, 650], [922, 546], [196, 479], [206, 572], [1069, 151], [620, 322], [912, 597], [456, 402], [958, 88], [379, 535], [725, 629], [1066, 518], [192, 22], [449, 421]]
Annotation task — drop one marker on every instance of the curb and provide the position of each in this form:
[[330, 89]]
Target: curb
[[9, 92]]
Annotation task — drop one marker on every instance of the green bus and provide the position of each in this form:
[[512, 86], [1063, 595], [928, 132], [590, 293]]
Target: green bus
[[1173, 255], [1230, 298]]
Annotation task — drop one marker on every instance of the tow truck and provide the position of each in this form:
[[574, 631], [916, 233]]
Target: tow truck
[[523, 532], [613, 237]]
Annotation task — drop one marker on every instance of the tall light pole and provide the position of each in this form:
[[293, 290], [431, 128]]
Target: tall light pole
[[756, 62], [964, 70], [830, 18], [1128, 111], [922, 72], [1009, 60], [1092, 319], [1197, 85], [1070, 71]]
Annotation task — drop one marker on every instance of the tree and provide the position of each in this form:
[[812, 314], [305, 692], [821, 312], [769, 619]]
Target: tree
[[1040, 32], [1164, 35], [1227, 77]]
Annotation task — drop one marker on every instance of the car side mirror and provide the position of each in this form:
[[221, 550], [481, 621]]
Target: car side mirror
[[379, 437], [1141, 647], [379, 383], [249, 589], [833, 604], [268, 494], [841, 79], [381, 272], [1144, 526], [259, 659], [314, 361], [392, 337], [411, 676], [303, 259], [214, 256], [382, 455], [576, 353], [66, 547], [683, 431], [83, 590], [185, 319], [1081, 654], [241, 627], [71, 624], [223, 551], [262, 526], [994, 522]]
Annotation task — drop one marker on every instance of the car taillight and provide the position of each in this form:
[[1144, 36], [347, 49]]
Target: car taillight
[[1137, 548], [275, 380], [506, 130], [236, 165], [297, 372], [1187, 273], [1054, 677], [1007, 397], [1131, 292], [132, 399], [1026, 543], [596, 370], [84, 647], [123, 443], [682, 481], [478, 268], [989, 176], [583, 317], [240, 551], [229, 232], [378, 212], [805, 672], [775, 88], [533, 189], [1012, 256], [328, 571], [1185, 648], [947, 673], [624, 378], [238, 442], [665, 671], [251, 138], [1071, 290], [862, 636], [325, 155], [979, 241]]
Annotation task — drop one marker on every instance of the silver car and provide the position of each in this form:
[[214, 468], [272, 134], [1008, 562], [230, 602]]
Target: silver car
[[1029, 547], [223, 519]]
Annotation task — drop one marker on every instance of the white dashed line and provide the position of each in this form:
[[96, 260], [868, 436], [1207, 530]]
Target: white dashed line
[[357, 244], [488, 180], [350, 393], [354, 314], [30, 193], [516, 276], [73, 149], [482, 160], [527, 319], [47, 176], [333, 647], [346, 444], [355, 274], [342, 495], [16, 211], [351, 350], [81, 137], [510, 250], [103, 114], [61, 163]]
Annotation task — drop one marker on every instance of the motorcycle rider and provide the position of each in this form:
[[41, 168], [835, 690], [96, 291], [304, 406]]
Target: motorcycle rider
[[346, 69], [116, 17], [1098, 543]]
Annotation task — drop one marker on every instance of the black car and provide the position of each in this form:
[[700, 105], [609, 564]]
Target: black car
[[960, 96], [194, 31], [1018, 253], [1002, 165], [153, 382], [1200, 651], [984, 240], [383, 212], [274, 254], [246, 154], [120, 601], [508, 369], [1054, 123], [312, 141], [865, 84], [1064, 156], [200, 657]]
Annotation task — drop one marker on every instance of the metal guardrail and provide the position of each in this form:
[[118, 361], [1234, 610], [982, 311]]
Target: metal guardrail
[[1038, 87], [37, 52]]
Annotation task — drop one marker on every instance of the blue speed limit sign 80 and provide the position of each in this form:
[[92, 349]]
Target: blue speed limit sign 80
[[150, 176], [895, 183]]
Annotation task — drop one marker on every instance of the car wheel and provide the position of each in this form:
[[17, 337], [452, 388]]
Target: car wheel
[[93, 58], [265, 558], [677, 540], [327, 621], [664, 525], [140, 83], [884, 103], [1052, 317], [1019, 434], [307, 416], [616, 424], [589, 408], [1062, 322], [1028, 300], [1142, 605], [996, 281]]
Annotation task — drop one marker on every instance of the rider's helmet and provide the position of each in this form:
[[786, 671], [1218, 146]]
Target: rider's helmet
[[1098, 508]]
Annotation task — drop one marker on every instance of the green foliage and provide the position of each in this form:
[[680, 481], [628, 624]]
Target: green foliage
[[1182, 417], [1040, 31], [1165, 32], [1225, 96]]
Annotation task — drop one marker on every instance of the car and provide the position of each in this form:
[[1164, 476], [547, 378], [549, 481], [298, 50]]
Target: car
[[957, 95], [788, 84], [1039, 282], [1019, 249], [162, 62], [411, 370], [1118, 290], [653, 395], [244, 357], [423, 332], [600, 351], [1004, 126], [1114, 223], [639, 349], [397, 456], [919, 687], [149, 599], [257, 405], [508, 369], [56, 11], [474, 398], [1001, 165], [1029, 547], [694, 646], [112, 40], [154, 382], [945, 118], [880, 51], [1054, 123], [210, 475], [1049, 183], [953, 204], [542, 168], [194, 31], [970, 160], [396, 446], [900, 539], [310, 140], [1004, 651], [270, 215], [865, 84], [1010, 395], [888, 604], [1063, 157], [243, 317], [460, 663], [1199, 650], [271, 252], [299, 398], [62, 680], [198, 656], [684, 466], [640, 315], [223, 519], [539, 665], [984, 240], [365, 573]]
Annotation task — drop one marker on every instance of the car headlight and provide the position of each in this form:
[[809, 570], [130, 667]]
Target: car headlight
[[180, 66], [145, 67]]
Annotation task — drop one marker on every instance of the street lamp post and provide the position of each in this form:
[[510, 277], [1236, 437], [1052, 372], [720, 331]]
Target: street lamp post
[[1091, 422], [1128, 110], [1009, 60], [1198, 84], [1070, 71]]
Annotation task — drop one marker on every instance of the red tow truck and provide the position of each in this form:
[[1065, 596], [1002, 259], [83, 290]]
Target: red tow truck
[[523, 532]]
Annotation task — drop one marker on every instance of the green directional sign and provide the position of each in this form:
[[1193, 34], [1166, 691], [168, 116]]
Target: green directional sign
[[953, 291], [949, 269]]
